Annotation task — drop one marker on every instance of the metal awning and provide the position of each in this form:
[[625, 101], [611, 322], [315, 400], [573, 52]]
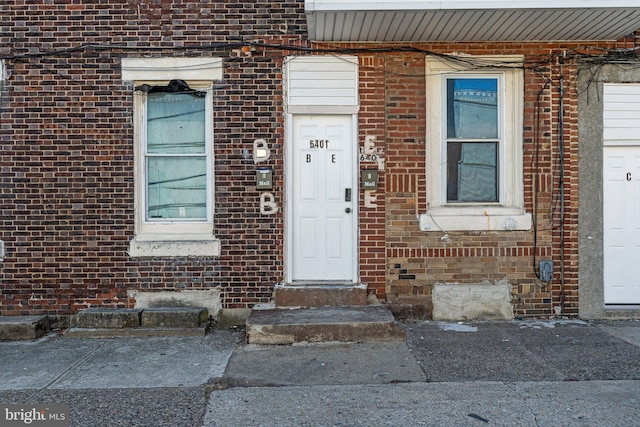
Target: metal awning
[[471, 20]]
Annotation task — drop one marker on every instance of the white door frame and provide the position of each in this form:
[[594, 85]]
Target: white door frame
[[288, 170]]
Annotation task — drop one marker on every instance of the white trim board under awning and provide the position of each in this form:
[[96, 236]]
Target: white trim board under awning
[[471, 20]]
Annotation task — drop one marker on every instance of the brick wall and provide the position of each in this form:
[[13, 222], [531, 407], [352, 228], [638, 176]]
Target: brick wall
[[416, 260], [67, 148], [67, 160], [372, 220]]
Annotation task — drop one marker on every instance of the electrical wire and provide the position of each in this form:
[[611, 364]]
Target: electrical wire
[[589, 59]]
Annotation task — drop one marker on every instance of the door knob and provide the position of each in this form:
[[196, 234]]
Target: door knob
[[348, 210]]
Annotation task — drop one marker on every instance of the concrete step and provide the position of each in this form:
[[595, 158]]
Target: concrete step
[[123, 322], [14, 328], [108, 318], [174, 317], [288, 326], [320, 295]]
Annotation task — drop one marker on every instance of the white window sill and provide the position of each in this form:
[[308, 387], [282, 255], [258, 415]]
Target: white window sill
[[149, 246], [475, 218]]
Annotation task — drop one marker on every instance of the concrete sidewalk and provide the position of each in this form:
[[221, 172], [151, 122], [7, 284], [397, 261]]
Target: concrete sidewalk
[[474, 404], [432, 351], [54, 362], [441, 373]]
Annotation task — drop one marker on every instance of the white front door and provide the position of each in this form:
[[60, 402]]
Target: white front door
[[323, 198], [621, 220]]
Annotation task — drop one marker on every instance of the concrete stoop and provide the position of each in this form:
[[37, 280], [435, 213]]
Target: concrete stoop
[[16, 328], [319, 295], [123, 322], [346, 324]]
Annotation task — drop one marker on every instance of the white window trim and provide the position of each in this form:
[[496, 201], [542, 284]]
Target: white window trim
[[509, 213], [171, 238]]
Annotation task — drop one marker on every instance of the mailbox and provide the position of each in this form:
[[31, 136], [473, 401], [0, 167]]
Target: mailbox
[[369, 179], [264, 179]]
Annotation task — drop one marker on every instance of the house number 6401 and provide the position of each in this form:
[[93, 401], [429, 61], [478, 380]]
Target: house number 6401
[[319, 143]]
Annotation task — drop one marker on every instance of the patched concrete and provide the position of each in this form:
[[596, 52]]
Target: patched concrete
[[234, 316], [207, 298], [482, 301]]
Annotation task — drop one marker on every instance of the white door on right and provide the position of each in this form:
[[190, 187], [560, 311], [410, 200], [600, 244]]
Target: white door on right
[[621, 221], [621, 193]]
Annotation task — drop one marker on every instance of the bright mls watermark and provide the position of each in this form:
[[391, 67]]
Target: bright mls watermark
[[34, 415]]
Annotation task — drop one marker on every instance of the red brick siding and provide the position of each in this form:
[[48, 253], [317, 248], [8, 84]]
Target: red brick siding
[[67, 150], [371, 121], [416, 260], [66, 182]]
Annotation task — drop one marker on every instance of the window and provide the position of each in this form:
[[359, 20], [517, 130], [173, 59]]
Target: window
[[474, 145], [472, 139], [173, 139], [175, 154]]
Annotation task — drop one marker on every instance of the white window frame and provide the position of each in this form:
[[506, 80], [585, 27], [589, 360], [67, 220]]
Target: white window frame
[[171, 238], [508, 213]]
